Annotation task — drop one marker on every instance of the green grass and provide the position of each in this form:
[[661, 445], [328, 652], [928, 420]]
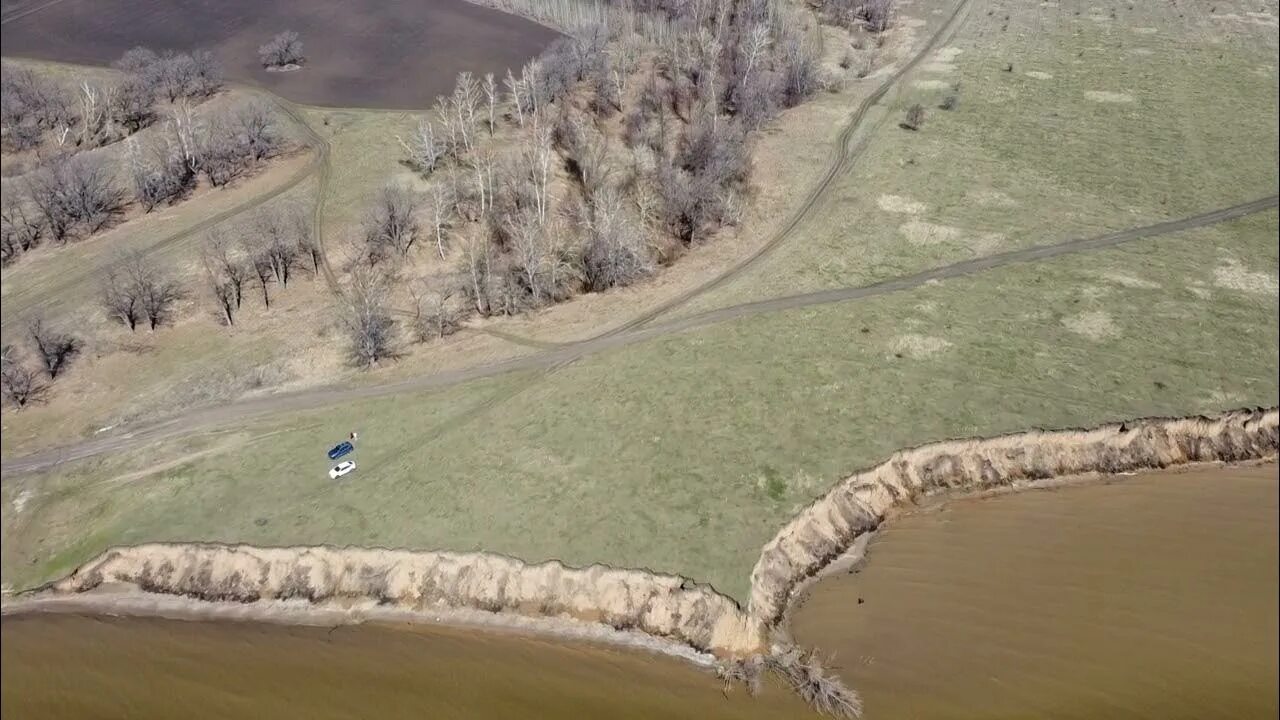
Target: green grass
[[686, 453], [1025, 160]]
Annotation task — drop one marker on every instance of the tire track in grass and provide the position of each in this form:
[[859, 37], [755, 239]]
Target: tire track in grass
[[552, 360]]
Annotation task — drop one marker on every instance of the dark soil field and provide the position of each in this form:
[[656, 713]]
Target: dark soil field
[[360, 53]]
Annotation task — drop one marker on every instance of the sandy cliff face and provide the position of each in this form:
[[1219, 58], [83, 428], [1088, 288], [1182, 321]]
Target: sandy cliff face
[[829, 526], [668, 606]]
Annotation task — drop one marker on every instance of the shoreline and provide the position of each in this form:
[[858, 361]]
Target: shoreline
[[635, 608], [857, 556], [129, 602]]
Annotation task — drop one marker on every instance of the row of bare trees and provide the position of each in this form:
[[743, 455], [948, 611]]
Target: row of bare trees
[[35, 109], [267, 250], [75, 196]]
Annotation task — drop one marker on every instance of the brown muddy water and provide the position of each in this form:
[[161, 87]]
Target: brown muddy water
[[72, 667], [1151, 597]]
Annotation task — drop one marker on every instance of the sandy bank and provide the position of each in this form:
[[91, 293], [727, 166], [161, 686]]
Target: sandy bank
[[325, 585]]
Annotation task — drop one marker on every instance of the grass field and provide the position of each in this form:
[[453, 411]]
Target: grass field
[[1098, 126], [684, 454]]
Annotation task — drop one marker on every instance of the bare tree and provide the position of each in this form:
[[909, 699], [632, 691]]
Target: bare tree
[[283, 50], [435, 317], [442, 208], [54, 348], [19, 384], [135, 290], [516, 96], [423, 147], [30, 105], [277, 242], [877, 14], [257, 130], [20, 229], [120, 299], [491, 93], [370, 328], [227, 273], [74, 193], [132, 105], [616, 252], [391, 223], [260, 262], [914, 117], [463, 106], [159, 173], [206, 75]]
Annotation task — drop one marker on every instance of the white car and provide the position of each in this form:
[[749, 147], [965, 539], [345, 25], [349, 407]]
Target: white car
[[342, 468]]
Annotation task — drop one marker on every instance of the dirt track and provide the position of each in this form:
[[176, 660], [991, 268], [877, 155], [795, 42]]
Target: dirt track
[[326, 396]]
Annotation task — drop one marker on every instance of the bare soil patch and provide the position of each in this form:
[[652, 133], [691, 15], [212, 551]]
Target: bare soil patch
[[394, 54]]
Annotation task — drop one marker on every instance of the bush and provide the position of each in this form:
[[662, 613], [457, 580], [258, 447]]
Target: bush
[[914, 117]]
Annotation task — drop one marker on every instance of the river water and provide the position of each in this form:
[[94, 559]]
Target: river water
[[1154, 597]]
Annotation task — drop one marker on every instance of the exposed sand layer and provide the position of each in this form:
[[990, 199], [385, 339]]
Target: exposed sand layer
[[445, 586], [665, 606]]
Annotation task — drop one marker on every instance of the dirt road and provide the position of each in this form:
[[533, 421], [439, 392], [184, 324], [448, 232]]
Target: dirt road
[[204, 418]]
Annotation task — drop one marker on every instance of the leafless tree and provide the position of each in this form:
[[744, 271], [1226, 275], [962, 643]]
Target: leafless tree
[[463, 106], [132, 105], [491, 94], [75, 193], [206, 75], [30, 105], [476, 269], [516, 96], [283, 50], [878, 14], [135, 289], [914, 117], [20, 229], [159, 173], [257, 130], [586, 150], [799, 60], [616, 252], [442, 209], [435, 317], [370, 328], [277, 240], [227, 272], [19, 384], [391, 225], [54, 348], [423, 147], [260, 262]]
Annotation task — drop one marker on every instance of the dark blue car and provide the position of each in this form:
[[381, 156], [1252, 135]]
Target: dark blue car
[[340, 450]]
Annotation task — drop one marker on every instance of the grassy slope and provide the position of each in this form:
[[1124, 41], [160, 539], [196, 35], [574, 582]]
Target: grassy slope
[[684, 454], [1027, 160]]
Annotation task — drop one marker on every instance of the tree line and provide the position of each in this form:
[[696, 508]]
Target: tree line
[[647, 110], [70, 196]]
